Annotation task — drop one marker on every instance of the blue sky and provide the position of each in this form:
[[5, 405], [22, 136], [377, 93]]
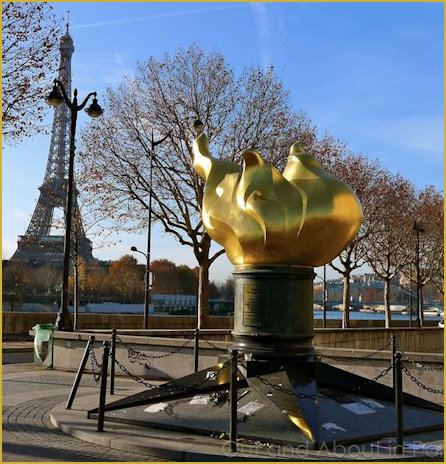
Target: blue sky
[[369, 73]]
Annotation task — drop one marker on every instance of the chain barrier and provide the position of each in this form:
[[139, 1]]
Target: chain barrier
[[140, 356], [121, 366], [417, 364], [368, 356], [214, 346], [95, 364], [281, 389], [171, 388], [322, 395], [419, 383], [382, 374]]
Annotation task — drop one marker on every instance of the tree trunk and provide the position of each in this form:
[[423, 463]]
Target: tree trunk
[[421, 307], [346, 301], [387, 302], [203, 294]]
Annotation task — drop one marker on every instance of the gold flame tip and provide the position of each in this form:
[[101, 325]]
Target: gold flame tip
[[296, 149], [252, 157]]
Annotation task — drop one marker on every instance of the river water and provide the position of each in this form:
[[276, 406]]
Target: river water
[[372, 316]]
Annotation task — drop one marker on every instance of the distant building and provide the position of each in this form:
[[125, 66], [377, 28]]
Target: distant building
[[368, 289]]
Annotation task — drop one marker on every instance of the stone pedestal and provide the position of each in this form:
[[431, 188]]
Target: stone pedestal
[[273, 311]]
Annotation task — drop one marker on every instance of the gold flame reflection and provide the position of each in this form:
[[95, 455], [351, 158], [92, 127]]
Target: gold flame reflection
[[301, 423], [303, 217]]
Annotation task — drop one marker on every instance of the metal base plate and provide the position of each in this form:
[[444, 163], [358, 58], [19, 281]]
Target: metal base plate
[[293, 403]]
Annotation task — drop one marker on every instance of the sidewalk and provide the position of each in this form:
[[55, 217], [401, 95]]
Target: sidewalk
[[29, 394]]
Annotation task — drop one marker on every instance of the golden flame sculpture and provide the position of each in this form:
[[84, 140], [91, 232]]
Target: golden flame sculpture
[[303, 217]]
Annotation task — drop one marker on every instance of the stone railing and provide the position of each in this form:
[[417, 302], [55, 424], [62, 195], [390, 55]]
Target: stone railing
[[18, 322]]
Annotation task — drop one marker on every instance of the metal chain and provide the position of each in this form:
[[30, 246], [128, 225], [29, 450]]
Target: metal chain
[[383, 373], [171, 388], [139, 355], [121, 366], [213, 346], [286, 390], [417, 364], [368, 356], [321, 395], [175, 388], [419, 383], [94, 363]]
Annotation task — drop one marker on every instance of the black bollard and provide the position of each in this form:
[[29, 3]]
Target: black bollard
[[112, 366], [196, 348], [394, 345], [80, 371], [399, 403], [103, 391], [233, 399]]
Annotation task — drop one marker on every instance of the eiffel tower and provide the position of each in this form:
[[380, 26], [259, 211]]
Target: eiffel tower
[[38, 246]]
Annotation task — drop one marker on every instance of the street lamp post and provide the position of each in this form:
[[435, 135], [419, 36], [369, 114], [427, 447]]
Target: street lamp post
[[146, 285], [418, 228], [58, 96], [153, 144], [198, 127], [75, 282]]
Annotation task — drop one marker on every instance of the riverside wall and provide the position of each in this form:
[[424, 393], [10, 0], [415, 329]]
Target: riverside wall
[[20, 322], [362, 334]]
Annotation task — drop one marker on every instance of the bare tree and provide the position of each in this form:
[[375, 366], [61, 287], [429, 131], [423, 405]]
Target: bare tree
[[165, 97], [227, 288], [429, 212], [389, 243], [364, 176], [44, 280], [438, 280], [29, 46], [15, 277]]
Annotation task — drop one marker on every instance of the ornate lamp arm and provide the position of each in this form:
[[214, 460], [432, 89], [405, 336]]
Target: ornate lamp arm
[[82, 105], [64, 93]]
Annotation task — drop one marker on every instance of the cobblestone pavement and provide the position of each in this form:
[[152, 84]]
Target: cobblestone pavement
[[28, 434]]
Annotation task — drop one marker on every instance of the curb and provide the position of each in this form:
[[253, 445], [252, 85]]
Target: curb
[[17, 349]]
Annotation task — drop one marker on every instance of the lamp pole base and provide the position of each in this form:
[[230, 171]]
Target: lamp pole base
[[63, 321]]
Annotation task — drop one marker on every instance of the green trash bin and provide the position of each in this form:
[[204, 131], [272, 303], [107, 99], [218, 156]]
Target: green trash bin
[[44, 341]]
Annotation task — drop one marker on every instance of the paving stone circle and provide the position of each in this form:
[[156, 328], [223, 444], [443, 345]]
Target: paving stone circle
[[28, 426]]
